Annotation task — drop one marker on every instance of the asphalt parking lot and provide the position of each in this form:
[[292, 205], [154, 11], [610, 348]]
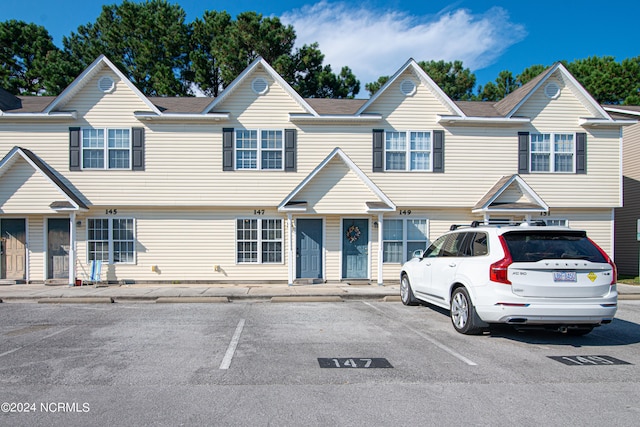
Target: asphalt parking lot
[[346, 363]]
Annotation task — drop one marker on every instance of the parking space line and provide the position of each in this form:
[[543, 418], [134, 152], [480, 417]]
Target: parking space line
[[41, 339], [429, 338], [226, 361]]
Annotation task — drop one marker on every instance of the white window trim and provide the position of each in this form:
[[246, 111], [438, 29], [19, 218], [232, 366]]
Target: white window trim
[[259, 149], [405, 241], [105, 148], [552, 153], [566, 221], [259, 241], [111, 241], [408, 151]]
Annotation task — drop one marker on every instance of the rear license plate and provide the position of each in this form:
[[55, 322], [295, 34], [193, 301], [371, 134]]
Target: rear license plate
[[565, 276]]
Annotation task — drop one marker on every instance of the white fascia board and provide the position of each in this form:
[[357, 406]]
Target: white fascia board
[[50, 116], [179, 117], [593, 122], [622, 110], [296, 117], [482, 120]]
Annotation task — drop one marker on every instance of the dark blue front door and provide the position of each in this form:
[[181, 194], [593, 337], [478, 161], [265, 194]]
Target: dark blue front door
[[309, 249], [355, 248]]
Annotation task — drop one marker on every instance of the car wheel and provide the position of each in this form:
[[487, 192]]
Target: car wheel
[[463, 313], [406, 294]]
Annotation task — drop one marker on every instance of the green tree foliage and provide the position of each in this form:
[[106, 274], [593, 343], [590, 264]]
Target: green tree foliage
[[608, 81], [373, 87], [455, 80], [29, 61], [503, 86], [222, 48], [208, 39], [148, 41], [530, 73], [306, 74]]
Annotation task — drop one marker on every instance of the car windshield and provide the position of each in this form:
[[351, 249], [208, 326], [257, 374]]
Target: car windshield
[[532, 246]]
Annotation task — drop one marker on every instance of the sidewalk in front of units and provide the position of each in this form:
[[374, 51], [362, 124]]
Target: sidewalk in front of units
[[212, 292], [208, 292]]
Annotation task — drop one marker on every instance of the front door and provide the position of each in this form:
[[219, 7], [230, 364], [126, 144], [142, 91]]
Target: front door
[[14, 255], [355, 248], [309, 249], [58, 248]]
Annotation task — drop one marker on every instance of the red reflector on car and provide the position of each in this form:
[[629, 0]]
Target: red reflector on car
[[499, 269], [512, 304]]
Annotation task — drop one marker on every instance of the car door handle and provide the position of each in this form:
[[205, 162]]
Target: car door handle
[[453, 264]]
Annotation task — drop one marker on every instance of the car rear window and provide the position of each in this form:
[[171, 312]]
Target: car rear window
[[532, 246]]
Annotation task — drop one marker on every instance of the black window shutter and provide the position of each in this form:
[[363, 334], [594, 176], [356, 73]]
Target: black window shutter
[[137, 149], [523, 152], [227, 149], [438, 151], [74, 149], [290, 137], [378, 150], [581, 152]]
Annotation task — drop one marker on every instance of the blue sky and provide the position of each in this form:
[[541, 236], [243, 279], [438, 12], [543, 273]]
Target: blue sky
[[375, 37]]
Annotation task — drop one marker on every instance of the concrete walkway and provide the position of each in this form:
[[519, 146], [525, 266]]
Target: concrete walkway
[[211, 292], [185, 293]]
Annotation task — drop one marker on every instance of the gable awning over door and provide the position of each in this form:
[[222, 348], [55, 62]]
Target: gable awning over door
[[337, 186], [29, 185], [511, 194]]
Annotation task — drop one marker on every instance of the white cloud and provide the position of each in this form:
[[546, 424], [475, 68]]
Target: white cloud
[[375, 42]]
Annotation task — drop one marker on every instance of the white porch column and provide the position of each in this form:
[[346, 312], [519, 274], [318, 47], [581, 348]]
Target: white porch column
[[290, 247], [72, 249], [380, 249]]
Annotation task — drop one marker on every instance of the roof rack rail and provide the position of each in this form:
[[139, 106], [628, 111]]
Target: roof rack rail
[[475, 224]]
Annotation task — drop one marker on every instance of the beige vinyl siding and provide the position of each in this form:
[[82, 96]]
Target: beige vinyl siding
[[185, 246], [626, 254], [25, 190], [36, 250]]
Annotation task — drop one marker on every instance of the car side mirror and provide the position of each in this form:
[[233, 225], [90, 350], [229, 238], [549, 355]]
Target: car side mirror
[[418, 253]]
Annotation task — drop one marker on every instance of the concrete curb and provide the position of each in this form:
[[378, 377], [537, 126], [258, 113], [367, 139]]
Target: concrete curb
[[76, 300], [192, 300], [326, 298]]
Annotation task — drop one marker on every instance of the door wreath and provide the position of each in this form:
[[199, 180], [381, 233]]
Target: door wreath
[[353, 234]]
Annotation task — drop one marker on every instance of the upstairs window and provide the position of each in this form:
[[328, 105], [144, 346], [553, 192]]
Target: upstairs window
[[259, 149], [553, 152], [106, 148], [408, 151]]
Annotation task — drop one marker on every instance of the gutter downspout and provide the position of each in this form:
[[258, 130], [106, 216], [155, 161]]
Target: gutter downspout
[[380, 250], [290, 248], [72, 249]]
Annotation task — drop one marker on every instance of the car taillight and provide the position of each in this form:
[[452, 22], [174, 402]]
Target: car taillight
[[614, 269], [498, 270]]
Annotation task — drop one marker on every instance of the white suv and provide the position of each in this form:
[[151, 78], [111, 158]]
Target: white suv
[[526, 275]]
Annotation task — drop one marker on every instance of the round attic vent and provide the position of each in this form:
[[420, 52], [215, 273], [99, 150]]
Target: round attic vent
[[106, 84], [259, 86], [552, 90], [408, 87]]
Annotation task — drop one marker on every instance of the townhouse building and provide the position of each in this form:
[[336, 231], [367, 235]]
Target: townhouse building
[[262, 185]]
